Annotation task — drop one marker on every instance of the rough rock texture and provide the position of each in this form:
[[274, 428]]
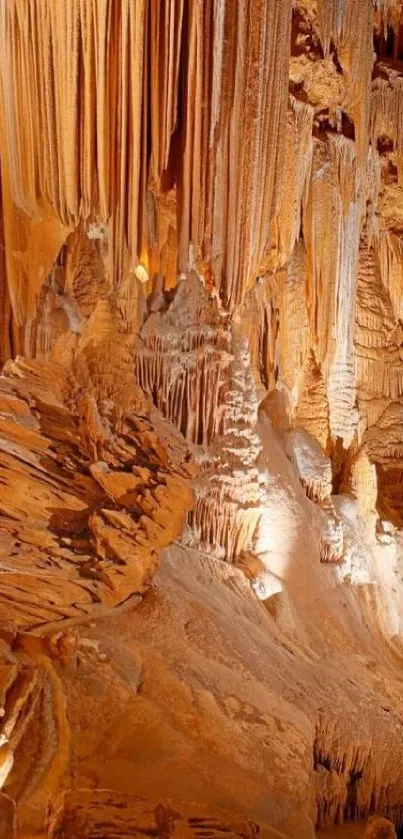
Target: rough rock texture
[[83, 812], [201, 418]]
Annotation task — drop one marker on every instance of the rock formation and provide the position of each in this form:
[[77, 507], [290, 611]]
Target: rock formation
[[201, 418]]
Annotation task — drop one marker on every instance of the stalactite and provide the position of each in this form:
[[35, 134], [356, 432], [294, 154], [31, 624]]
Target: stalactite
[[229, 180], [90, 57], [201, 274], [378, 339], [384, 445], [293, 341], [298, 161], [349, 25], [79, 94], [197, 370], [312, 411], [331, 230], [166, 33], [348, 779], [183, 360], [390, 255], [386, 115], [377, 333], [260, 322]]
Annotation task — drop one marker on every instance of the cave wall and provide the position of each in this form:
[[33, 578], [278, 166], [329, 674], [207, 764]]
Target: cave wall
[[201, 445]]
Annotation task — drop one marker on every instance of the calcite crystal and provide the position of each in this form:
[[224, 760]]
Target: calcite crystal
[[201, 418]]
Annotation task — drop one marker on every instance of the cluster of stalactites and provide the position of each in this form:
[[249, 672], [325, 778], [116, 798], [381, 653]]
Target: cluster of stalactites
[[349, 25], [298, 142], [235, 71], [389, 13], [197, 369], [183, 360], [332, 220], [75, 144], [349, 783], [126, 96], [387, 116]]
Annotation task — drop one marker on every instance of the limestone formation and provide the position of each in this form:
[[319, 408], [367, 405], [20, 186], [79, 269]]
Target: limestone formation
[[84, 810], [201, 418]]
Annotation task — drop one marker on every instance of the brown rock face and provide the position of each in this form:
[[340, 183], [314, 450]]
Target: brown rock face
[[201, 418], [86, 813], [378, 827]]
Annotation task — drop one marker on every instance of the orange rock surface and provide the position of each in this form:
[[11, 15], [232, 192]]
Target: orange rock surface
[[201, 418]]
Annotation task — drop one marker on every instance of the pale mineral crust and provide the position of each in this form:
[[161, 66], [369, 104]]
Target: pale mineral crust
[[201, 419]]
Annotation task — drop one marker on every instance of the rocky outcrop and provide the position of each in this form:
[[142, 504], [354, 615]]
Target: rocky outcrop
[[84, 511], [86, 813]]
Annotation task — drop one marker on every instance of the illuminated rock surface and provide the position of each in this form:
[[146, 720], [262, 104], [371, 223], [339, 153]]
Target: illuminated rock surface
[[201, 418]]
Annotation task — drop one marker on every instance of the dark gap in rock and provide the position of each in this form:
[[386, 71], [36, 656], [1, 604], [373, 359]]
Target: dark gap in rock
[[325, 762], [325, 123], [347, 126], [303, 38], [390, 174], [264, 350], [339, 458], [390, 43], [335, 57], [384, 145], [297, 90], [171, 175]]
